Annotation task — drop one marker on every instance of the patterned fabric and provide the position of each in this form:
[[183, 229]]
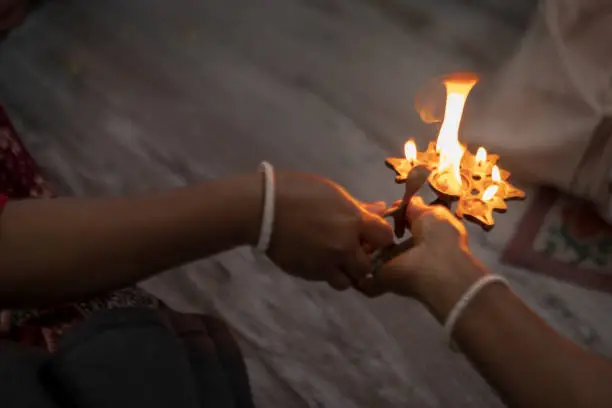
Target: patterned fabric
[[19, 175], [21, 178], [565, 238], [14, 12], [575, 234]]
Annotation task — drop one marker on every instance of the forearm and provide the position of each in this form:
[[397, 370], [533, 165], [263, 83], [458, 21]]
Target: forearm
[[53, 250], [524, 359]]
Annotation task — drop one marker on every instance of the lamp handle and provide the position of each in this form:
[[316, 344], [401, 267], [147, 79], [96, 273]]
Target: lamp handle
[[386, 254]]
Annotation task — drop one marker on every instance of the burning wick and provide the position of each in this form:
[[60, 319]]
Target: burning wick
[[481, 156], [495, 174], [410, 151], [490, 192]]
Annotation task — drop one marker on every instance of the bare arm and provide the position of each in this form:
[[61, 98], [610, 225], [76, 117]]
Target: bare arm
[[53, 250], [523, 358], [57, 250]]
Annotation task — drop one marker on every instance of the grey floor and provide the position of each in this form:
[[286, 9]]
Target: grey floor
[[117, 97]]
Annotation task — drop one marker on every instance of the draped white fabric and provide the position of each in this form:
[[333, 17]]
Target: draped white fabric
[[547, 113]]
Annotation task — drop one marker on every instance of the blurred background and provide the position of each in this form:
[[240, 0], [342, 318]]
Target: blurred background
[[117, 97]]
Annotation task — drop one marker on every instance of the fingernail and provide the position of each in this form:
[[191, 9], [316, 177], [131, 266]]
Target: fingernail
[[379, 205], [417, 200]]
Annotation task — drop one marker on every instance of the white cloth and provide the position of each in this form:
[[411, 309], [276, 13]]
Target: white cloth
[[550, 114]]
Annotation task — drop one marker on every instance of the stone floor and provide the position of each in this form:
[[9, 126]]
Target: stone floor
[[117, 97]]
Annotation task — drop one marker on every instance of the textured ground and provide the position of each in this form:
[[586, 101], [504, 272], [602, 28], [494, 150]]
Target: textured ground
[[116, 97]]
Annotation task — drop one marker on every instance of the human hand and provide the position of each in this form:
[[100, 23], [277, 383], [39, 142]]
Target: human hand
[[439, 265], [322, 233]]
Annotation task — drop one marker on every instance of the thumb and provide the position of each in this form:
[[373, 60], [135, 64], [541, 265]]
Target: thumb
[[377, 207], [375, 231], [415, 209]]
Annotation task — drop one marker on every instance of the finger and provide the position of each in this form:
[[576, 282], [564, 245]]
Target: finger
[[367, 248], [377, 207], [371, 287], [357, 265], [396, 211], [395, 275], [417, 177], [375, 230], [415, 209], [338, 280], [399, 222]]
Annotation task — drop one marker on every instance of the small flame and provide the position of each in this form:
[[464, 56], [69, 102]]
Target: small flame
[[481, 155], [495, 174], [410, 150], [489, 193], [447, 145]]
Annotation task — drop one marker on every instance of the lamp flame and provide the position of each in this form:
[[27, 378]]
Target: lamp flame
[[447, 145], [495, 174], [481, 155], [490, 192], [410, 150]]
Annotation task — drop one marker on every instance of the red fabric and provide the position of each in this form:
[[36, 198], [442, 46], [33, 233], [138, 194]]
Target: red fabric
[[20, 177], [12, 14]]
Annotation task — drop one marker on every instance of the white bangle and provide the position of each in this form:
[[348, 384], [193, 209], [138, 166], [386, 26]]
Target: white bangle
[[267, 219], [459, 308]]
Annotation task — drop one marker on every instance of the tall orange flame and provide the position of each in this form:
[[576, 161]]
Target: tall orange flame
[[451, 151]]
